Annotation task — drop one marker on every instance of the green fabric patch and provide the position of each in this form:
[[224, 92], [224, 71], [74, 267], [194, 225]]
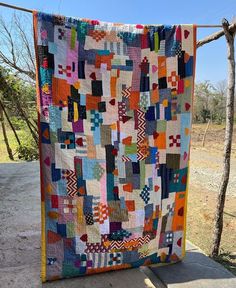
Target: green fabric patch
[[131, 149], [161, 125]]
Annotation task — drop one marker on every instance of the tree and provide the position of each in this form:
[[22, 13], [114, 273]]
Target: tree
[[203, 95], [9, 151], [17, 73], [209, 102], [228, 138], [17, 92], [218, 102], [17, 49], [229, 33]]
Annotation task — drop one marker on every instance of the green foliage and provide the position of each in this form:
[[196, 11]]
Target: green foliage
[[18, 123], [27, 153], [205, 114], [19, 100], [28, 150], [209, 102], [17, 92]]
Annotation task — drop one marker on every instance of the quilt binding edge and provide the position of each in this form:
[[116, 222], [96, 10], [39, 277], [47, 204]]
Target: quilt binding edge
[[43, 239], [187, 187]]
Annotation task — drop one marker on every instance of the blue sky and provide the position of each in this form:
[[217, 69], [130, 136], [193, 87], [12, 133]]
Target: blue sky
[[211, 58]]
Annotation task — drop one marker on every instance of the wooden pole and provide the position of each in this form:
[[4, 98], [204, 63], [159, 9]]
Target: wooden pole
[[215, 35], [16, 7], [228, 139], [31, 11]]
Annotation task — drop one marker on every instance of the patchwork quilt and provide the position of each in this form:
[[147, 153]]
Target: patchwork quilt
[[115, 109]]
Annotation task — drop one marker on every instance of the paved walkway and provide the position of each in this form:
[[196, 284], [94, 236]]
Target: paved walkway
[[195, 271], [20, 247]]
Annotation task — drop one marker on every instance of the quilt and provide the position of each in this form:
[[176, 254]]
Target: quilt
[[115, 113]]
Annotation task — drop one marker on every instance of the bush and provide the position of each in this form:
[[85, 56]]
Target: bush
[[27, 153], [28, 150], [18, 123]]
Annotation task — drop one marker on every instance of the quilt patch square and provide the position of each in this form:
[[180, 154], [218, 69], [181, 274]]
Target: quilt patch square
[[115, 114]]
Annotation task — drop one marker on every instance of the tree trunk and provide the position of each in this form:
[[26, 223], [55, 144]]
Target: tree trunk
[[35, 137], [9, 121], [9, 151], [29, 124], [204, 136], [228, 139], [34, 126], [215, 36]]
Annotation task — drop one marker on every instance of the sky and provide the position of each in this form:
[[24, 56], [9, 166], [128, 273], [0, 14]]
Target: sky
[[211, 58]]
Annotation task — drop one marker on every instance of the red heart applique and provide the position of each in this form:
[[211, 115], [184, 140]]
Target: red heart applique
[[47, 161], [186, 33], [154, 86], [84, 238], [93, 76], [187, 106], [155, 134], [113, 102], [79, 141], [179, 242]]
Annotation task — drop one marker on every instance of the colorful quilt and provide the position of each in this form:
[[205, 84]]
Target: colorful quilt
[[115, 109]]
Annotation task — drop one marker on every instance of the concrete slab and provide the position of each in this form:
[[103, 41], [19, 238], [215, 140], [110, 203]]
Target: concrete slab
[[20, 237], [28, 276], [20, 247], [195, 271]]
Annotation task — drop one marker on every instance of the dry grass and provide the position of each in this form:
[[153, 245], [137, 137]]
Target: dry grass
[[13, 144], [214, 138], [202, 200], [201, 209]]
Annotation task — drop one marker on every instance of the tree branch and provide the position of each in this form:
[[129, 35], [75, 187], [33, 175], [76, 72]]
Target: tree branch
[[216, 35], [25, 40], [17, 54]]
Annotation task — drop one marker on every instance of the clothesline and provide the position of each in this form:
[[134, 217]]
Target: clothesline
[[31, 11]]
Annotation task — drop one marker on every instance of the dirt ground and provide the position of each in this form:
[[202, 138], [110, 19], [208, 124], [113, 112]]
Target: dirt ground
[[205, 176]]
